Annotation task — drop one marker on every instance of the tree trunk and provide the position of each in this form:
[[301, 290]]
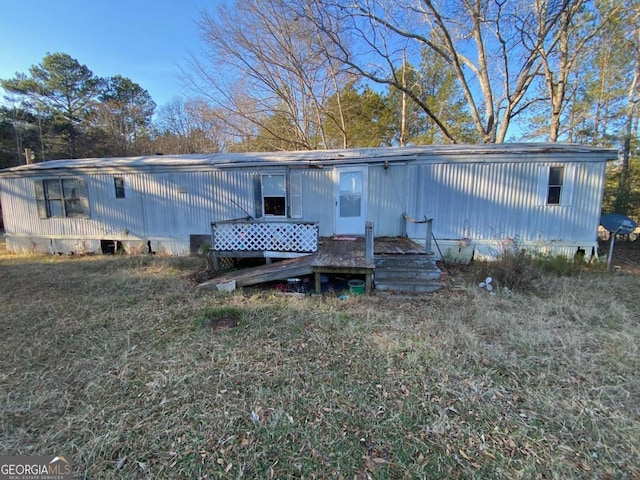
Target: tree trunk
[[403, 119], [622, 197], [557, 87]]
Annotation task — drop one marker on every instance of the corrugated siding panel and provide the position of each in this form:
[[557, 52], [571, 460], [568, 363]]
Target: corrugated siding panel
[[171, 205], [19, 211], [21, 215], [188, 202], [110, 216], [494, 201], [587, 194], [107, 217], [318, 202], [160, 205], [387, 199], [181, 204]]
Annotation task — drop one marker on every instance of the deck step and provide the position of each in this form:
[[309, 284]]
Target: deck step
[[407, 287], [392, 262], [407, 273]]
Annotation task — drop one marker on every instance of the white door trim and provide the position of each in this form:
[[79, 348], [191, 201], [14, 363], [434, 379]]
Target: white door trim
[[350, 218]]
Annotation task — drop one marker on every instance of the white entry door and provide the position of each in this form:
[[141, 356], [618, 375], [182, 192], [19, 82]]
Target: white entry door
[[351, 200]]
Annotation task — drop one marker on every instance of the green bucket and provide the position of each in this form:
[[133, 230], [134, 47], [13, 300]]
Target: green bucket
[[356, 287]]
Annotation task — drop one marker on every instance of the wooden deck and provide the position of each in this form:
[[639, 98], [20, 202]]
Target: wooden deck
[[342, 255]]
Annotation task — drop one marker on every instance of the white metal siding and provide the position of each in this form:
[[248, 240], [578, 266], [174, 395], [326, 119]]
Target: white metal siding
[[19, 211], [387, 199], [496, 201], [471, 197], [159, 205], [181, 204], [318, 203]]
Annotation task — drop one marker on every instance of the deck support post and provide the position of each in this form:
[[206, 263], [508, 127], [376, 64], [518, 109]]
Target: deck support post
[[368, 241], [368, 283]]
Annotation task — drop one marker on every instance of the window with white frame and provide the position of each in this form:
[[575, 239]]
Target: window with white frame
[[274, 195], [554, 185], [62, 198]]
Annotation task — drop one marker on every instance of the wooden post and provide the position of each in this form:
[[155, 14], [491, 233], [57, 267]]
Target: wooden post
[[368, 284], [429, 235], [368, 242], [212, 254]]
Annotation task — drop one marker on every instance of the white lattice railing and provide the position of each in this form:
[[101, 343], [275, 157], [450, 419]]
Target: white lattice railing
[[263, 236]]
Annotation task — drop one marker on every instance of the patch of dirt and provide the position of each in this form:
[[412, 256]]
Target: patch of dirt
[[221, 323], [199, 277]]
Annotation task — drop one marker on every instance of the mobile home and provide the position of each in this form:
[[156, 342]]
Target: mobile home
[[547, 197]]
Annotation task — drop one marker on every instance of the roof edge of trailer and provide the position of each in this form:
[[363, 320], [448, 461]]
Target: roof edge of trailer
[[314, 158]]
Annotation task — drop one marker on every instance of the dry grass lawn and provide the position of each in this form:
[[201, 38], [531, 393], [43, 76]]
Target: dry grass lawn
[[122, 365]]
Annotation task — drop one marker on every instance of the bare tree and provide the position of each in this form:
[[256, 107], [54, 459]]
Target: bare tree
[[578, 24], [494, 48], [189, 127], [265, 61], [586, 75]]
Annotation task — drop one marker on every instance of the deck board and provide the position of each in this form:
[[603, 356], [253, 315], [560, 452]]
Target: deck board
[[397, 246], [294, 267], [346, 253]]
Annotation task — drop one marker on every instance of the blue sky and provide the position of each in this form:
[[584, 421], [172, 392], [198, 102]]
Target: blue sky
[[144, 40]]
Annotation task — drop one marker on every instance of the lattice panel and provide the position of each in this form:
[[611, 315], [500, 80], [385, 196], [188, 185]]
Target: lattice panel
[[265, 236]]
